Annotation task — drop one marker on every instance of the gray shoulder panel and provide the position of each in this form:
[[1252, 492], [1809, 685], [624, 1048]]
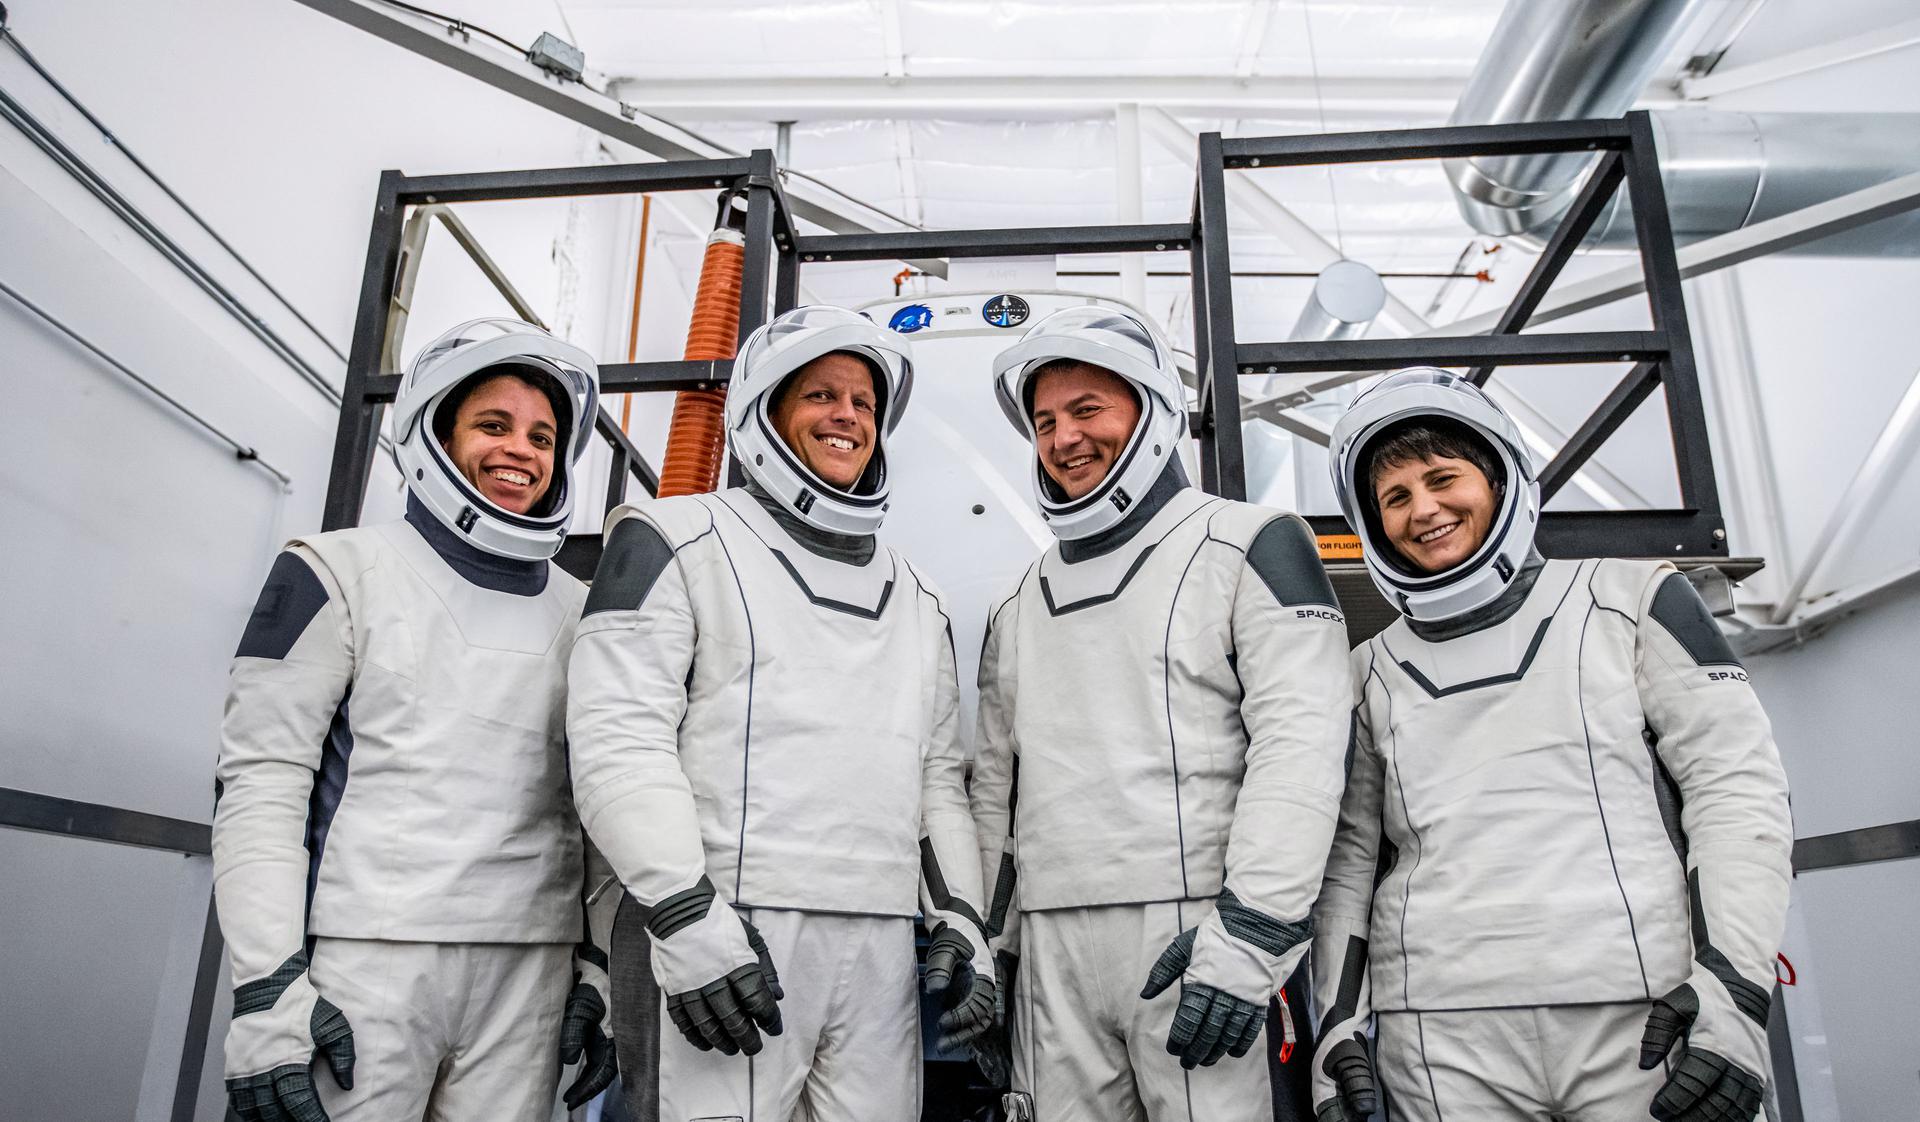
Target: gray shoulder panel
[[1679, 609], [635, 557], [292, 596], [1283, 553]]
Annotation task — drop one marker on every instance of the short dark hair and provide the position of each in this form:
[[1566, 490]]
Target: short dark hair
[[549, 388], [1424, 438], [444, 417], [1061, 365]]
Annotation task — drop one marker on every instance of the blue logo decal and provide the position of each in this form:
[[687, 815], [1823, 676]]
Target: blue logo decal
[[1005, 311], [911, 318]]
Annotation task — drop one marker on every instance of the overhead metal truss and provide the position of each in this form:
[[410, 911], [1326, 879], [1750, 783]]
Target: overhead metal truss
[[776, 252]]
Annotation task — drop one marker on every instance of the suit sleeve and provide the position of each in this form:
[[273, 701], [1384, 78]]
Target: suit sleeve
[[1714, 739], [1290, 645], [286, 686], [949, 849], [1342, 916], [996, 767], [626, 696]]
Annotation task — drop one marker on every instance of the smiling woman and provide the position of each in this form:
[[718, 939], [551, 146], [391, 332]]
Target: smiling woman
[[1438, 490], [501, 437]]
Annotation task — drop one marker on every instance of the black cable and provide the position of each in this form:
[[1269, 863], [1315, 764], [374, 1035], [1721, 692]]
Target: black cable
[[460, 25], [107, 134], [457, 24], [241, 451], [70, 162]]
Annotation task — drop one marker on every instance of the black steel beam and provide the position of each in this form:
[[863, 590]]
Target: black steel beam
[[1892, 842], [1608, 416], [615, 377], [547, 183], [1686, 413], [1619, 533], [1024, 242], [1786, 1073], [616, 480], [193, 1047], [678, 374], [1556, 348], [1223, 466], [1604, 533], [756, 276], [786, 280], [358, 432], [50, 814], [1588, 206], [626, 457], [1199, 420], [1423, 144]]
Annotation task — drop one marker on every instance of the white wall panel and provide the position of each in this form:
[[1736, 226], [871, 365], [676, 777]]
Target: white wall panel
[[88, 930], [1843, 712]]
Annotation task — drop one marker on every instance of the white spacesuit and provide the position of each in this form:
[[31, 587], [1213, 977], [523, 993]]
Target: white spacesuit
[[1163, 714], [397, 863], [763, 724], [1565, 828]]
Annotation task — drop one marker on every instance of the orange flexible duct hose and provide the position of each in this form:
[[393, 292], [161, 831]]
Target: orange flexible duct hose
[[697, 436]]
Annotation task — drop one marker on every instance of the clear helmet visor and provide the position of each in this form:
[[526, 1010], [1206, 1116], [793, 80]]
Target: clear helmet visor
[[425, 412], [1393, 404]]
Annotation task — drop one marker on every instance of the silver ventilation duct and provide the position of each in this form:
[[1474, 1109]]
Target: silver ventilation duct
[[1553, 60], [1347, 296], [1345, 299], [1566, 59]]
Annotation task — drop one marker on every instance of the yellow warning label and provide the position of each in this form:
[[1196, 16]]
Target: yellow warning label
[[1339, 547]]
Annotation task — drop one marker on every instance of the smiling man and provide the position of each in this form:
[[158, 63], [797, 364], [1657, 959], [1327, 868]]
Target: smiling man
[[396, 860], [1561, 871], [1163, 713], [763, 718]]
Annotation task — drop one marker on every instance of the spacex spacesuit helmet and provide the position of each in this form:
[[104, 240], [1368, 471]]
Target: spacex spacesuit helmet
[[1425, 392], [1129, 346], [771, 355], [482, 348]]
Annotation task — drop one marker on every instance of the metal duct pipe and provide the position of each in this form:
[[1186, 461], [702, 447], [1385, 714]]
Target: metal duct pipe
[[1553, 60], [1346, 298], [1565, 59], [1728, 170]]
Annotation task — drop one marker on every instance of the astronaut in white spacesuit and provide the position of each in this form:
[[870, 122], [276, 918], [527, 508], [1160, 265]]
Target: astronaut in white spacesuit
[[1561, 872], [764, 730], [397, 863], [1163, 715]]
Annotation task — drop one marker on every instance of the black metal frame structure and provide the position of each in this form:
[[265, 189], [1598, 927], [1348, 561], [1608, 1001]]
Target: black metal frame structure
[[1662, 356], [369, 389], [776, 251]]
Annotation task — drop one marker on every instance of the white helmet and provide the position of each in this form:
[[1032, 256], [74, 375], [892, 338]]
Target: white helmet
[[1407, 395], [1129, 346], [767, 359], [489, 346]]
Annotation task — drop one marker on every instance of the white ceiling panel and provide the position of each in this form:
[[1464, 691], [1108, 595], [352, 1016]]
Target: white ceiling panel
[[728, 38], [1063, 38], [1367, 40]]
